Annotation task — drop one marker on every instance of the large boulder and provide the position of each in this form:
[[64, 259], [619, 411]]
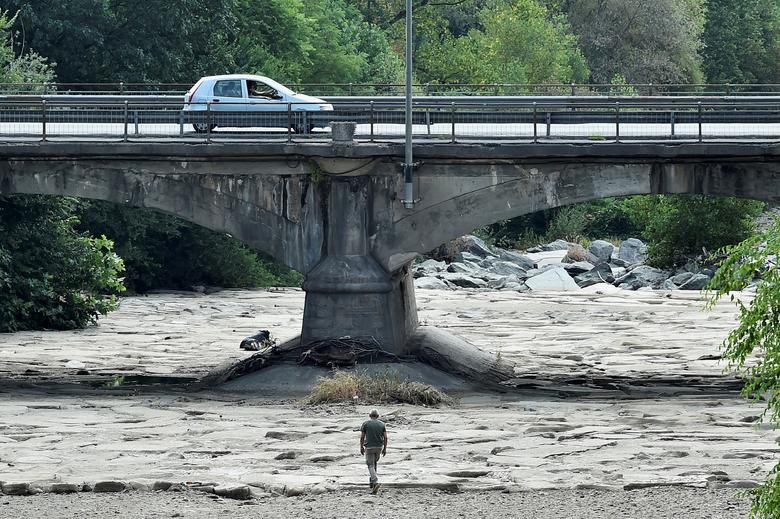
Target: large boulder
[[431, 283], [601, 273], [690, 282], [577, 268], [518, 259], [505, 268], [463, 267], [577, 252], [428, 268], [642, 276], [632, 251], [602, 250], [463, 280], [555, 279], [548, 257], [556, 245], [450, 251]]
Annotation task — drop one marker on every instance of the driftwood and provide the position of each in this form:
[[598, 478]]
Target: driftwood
[[455, 356]]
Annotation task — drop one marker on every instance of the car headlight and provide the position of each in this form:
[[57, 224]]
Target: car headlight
[[326, 107]]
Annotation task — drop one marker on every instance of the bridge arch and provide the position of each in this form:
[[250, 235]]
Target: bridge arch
[[452, 205], [267, 213]]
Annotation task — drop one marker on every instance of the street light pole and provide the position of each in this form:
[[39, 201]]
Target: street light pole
[[408, 200]]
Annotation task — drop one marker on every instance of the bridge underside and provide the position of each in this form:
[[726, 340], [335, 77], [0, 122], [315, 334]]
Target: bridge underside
[[334, 213]]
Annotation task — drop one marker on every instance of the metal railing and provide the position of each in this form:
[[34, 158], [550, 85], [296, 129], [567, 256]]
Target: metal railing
[[423, 89], [451, 119]]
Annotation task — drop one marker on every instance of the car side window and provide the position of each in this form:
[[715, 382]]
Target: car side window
[[228, 88], [260, 90]]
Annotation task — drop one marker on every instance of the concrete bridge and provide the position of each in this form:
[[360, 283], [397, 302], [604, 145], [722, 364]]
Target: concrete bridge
[[334, 211]]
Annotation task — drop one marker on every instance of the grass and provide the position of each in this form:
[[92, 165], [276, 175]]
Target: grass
[[387, 387]]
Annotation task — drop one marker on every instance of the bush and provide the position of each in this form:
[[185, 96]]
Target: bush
[[382, 388], [161, 251], [677, 226], [50, 275]]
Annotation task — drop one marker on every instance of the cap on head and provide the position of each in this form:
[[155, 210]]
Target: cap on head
[[374, 413]]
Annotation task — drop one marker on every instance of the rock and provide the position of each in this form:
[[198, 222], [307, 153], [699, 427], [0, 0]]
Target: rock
[[289, 455], [642, 276], [240, 492], [577, 252], [506, 268], [546, 258], [463, 267], [65, 488], [431, 283], [431, 267], [524, 262], [535, 272], [602, 250], [110, 486], [504, 282], [601, 273], [742, 484], [556, 245], [681, 278], [293, 491], [467, 256], [139, 486], [75, 364], [695, 282], [451, 250], [463, 280], [632, 251], [16, 489], [161, 485], [578, 267], [555, 279], [286, 435], [259, 341], [669, 285]]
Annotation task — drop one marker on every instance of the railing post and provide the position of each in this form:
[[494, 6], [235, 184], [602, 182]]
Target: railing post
[[371, 118], [699, 110], [453, 122], [289, 122], [549, 123], [126, 121], [650, 90], [673, 118], [121, 87], [617, 121], [43, 120], [135, 122], [45, 88], [573, 89], [208, 121], [536, 137], [350, 88], [728, 89]]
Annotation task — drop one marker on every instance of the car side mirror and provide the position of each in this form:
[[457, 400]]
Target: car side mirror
[[277, 96]]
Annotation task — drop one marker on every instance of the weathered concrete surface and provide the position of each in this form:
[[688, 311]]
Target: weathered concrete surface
[[564, 434]]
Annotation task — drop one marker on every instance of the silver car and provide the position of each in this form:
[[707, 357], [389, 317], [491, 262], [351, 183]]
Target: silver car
[[242, 100]]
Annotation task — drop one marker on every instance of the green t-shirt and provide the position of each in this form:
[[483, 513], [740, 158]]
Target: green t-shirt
[[375, 433]]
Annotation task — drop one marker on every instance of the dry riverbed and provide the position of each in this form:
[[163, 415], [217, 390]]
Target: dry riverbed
[[622, 391]]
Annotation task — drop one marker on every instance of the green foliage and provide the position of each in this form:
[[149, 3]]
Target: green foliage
[[161, 251], [50, 275], [681, 225], [28, 68], [753, 348], [645, 42], [502, 47], [568, 224], [742, 41]]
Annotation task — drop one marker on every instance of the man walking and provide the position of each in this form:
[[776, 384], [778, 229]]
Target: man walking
[[373, 441]]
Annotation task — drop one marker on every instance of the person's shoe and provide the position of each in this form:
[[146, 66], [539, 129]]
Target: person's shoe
[[375, 490]]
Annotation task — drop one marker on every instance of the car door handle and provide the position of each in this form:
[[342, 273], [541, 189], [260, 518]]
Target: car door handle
[[215, 100]]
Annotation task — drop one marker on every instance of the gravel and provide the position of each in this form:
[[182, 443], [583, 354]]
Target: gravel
[[651, 503]]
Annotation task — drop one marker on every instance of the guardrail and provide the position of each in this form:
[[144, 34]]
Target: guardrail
[[452, 119], [425, 89]]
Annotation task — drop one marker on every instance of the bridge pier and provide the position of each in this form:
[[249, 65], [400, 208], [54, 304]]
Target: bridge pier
[[348, 292]]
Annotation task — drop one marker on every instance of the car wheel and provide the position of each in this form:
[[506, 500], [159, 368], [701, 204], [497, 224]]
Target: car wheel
[[203, 127]]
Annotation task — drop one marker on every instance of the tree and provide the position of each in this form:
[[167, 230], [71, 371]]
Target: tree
[[50, 275], [677, 226], [742, 41], [752, 350], [504, 48], [645, 42]]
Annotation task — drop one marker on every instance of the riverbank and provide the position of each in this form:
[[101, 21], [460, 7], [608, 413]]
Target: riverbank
[[687, 432]]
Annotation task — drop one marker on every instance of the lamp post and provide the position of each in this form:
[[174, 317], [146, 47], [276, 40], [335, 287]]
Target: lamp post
[[408, 200]]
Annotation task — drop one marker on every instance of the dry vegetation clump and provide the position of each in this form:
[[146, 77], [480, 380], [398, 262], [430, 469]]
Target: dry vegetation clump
[[379, 388]]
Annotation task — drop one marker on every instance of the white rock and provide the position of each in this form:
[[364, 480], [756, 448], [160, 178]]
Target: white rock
[[556, 279]]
